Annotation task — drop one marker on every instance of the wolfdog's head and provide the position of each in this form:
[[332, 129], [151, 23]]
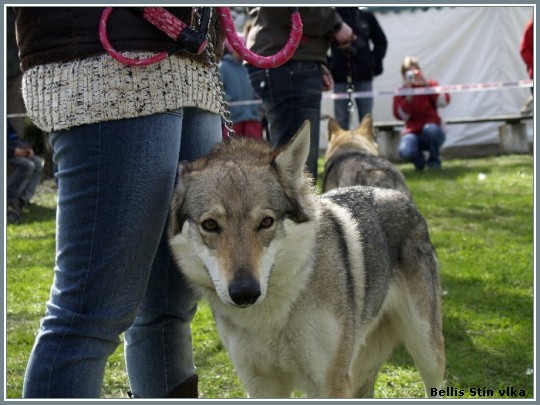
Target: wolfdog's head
[[361, 139], [241, 214]]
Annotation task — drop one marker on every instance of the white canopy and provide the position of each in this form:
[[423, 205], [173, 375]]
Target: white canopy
[[456, 45]]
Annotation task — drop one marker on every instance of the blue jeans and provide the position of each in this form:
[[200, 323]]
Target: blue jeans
[[26, 176], [411, 146], [291, 94], [364, 105], [113, 270]]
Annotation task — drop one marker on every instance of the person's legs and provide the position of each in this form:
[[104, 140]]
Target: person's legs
[[19, 178], [341, 112], [291, 95], [253, 129], [364, 104], [249, 129], [409, 149], [35, 178], [200, 132], [115, 183], [158, 344], [433, 137]]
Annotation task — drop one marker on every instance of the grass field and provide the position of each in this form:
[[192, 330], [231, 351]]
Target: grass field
[[480, 216]]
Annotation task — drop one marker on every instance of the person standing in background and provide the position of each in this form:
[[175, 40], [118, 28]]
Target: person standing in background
[[246, 118], [526, 49], [292, 92], [25, 176], [358, 63]]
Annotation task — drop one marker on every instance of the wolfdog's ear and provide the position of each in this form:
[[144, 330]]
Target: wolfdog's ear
[[291, 160], [366, 126], [333, 127], [177, 219]]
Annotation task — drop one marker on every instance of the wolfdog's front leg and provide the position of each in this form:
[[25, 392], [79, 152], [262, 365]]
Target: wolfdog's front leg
[[267, 387]]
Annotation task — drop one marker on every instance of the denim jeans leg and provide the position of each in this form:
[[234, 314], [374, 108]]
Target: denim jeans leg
[[410, 150], [291, 95], [433, 137], [364, 105], [115, 183], [158, 344], [341, 113]]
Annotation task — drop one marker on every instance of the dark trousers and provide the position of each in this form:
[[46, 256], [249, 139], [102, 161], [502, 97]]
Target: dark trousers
[[291, 94]]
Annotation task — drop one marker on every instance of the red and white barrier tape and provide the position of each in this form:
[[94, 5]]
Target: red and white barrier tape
[[16, 115], [449, 88]]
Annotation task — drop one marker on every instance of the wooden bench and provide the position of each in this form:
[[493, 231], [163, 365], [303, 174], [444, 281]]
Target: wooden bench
[[512, 133]]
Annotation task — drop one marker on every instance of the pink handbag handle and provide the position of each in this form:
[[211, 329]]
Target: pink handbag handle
[[262, 61], [194, 43]]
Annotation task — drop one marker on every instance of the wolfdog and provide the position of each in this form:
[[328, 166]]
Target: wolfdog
[[352, 159], [308, 292]]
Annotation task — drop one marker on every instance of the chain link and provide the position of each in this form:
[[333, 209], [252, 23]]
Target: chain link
[[350, 87], [217, 84], [350, 91]]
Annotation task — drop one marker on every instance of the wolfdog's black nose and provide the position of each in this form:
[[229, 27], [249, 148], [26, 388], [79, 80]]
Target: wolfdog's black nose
[[244, 290]]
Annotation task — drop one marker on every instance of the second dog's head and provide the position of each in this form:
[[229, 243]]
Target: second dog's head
[[361, 139]]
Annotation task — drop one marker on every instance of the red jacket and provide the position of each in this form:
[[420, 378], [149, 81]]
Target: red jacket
[[419, 110], [526, 48]]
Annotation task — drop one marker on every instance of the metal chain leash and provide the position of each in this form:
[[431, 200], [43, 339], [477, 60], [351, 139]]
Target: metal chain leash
[[350, 87], [217, 84]]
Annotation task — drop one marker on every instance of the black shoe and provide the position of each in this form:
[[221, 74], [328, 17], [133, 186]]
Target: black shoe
[[187, 389], [22, 204], [434, 165], [13, 214]]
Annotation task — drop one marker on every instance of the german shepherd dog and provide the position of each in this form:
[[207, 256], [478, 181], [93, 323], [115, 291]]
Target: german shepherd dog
[[308, 292], [352, 159]]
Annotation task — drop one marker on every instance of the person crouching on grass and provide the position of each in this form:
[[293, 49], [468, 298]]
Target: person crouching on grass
[[423, 130]]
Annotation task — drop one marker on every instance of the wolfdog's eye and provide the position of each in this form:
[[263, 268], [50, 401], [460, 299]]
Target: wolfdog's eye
[[209, 225], [266, 223]]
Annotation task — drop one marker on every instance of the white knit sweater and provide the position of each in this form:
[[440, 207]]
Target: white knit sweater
[[59, 96]]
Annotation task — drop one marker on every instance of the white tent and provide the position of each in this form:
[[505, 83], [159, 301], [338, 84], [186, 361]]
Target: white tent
[[456, 45]]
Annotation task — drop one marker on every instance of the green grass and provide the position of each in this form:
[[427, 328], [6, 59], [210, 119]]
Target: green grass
[[481, 227], [480, 217]]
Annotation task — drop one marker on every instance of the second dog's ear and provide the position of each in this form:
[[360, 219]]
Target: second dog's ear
[[292, 159], [333, 127], [366, 126]]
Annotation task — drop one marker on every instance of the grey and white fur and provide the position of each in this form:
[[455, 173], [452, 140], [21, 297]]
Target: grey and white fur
[[308, 292]]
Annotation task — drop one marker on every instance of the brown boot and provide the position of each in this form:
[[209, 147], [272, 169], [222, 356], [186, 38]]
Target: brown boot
[[186, 389]]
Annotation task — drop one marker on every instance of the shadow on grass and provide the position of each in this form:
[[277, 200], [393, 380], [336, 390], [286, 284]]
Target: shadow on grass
[[491, 349], [456, 169], [494, 349], [38, 213], [506, 221]]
